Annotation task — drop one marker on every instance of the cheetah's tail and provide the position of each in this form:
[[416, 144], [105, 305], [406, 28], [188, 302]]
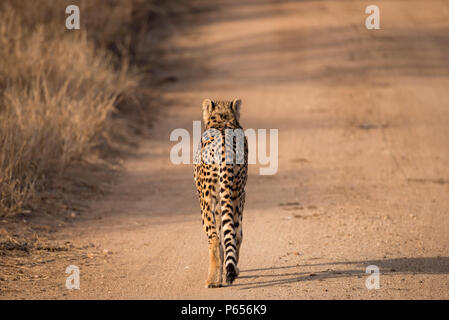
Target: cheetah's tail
[[231, 273], [228, 212]]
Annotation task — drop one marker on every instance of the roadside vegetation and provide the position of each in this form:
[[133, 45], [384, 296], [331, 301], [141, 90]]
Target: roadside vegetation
[[60, 91]]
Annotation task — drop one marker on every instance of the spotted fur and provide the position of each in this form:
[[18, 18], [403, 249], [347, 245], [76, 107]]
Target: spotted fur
[[220, 173]]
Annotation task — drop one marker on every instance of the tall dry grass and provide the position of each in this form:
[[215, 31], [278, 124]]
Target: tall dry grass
[[58, 88]]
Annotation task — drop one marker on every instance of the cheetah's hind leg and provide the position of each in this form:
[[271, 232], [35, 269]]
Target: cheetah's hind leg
[[214, 278], [215, 274]]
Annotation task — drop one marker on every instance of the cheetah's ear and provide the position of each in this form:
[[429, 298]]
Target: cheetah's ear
[[236, 104], [208, 106]]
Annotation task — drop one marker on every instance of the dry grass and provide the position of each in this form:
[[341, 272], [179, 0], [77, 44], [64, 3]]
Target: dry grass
[[58, 88]]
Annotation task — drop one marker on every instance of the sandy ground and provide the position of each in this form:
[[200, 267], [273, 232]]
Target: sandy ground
[[363, 174]]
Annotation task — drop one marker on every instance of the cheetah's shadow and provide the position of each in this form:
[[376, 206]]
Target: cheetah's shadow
[[424, 265]]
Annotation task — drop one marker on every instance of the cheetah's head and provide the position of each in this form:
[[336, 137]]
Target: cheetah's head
[[221, 112]]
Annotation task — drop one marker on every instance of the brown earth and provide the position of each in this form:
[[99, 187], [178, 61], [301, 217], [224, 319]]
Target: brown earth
[[363, 173]]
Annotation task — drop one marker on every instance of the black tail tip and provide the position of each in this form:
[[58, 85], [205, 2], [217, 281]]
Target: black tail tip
[[231, 274]]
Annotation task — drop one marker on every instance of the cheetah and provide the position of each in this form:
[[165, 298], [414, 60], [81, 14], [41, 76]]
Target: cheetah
[[220, 174]]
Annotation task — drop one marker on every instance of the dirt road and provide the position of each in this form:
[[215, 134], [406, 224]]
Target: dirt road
[[363, 174]]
